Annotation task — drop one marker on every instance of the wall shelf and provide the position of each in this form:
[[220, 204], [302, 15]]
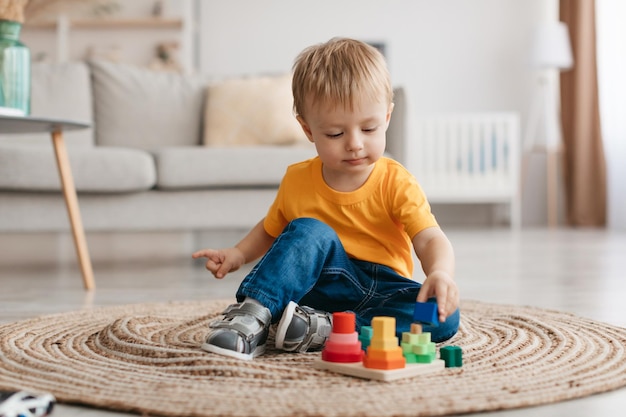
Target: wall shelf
[[136, 23], [132, 37]]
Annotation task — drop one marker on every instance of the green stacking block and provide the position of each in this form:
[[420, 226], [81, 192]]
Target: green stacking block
[[452, 356], [410, 338], [428, 358], [367, 332], [426, 349], [365, 336], [406, 348], [410, 358]]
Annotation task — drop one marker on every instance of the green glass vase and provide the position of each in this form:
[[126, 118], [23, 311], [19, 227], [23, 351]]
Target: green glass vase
[[14, 68]]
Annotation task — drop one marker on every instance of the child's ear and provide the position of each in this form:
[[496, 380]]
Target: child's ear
[[305, 128], [389, 111]]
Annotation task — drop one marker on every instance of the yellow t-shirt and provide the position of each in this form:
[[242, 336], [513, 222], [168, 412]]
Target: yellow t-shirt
[[374, 223]]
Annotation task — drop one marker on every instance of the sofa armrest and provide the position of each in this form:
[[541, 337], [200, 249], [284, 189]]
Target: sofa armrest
[[396, 132]]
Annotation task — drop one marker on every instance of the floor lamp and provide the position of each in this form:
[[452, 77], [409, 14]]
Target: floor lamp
[[551, 53]]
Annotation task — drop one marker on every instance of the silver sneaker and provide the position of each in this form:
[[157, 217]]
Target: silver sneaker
[[302, 328], [241, 333]]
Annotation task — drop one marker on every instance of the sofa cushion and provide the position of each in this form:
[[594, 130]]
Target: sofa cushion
[[103, 170], [143, 108], [61, 91], [251, 111], [198, 167]]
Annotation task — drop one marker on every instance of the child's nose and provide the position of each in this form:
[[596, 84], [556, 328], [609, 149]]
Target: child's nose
[[355, 142]]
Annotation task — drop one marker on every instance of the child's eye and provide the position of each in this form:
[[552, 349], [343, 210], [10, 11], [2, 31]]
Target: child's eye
[[369, 130], [334, 135]]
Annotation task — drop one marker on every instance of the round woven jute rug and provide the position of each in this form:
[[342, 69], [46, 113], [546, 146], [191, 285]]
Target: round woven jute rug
[[146, 359]]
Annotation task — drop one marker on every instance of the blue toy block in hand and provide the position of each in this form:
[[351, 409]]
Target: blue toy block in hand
[[426, 313]]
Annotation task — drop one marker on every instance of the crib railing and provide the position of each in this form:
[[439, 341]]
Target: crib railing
[[469, 158]]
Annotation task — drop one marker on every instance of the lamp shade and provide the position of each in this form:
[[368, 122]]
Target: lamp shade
[[551, 48]]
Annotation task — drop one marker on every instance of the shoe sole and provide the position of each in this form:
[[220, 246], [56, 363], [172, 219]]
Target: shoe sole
[[283, 325], [238, 355]]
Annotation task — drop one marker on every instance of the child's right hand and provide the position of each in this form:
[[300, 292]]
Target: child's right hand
[[221, 261]]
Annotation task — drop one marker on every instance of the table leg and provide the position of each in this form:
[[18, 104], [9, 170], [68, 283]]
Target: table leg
[[71, 201]]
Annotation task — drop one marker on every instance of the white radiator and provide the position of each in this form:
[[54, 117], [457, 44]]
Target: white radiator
[[469, 158]]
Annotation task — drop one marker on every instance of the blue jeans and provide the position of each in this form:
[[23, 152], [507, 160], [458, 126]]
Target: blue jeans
[[308, 264]]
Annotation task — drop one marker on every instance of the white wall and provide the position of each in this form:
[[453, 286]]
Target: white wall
[[450, 55], [610, 16]]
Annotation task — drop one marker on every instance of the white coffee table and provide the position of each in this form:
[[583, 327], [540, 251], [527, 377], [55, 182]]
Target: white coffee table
[[27, 124]]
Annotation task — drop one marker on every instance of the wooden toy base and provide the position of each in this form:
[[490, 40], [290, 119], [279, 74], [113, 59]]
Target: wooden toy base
[[357, 369]]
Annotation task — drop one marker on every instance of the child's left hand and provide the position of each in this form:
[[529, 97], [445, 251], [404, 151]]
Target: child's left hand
[[440, 285]]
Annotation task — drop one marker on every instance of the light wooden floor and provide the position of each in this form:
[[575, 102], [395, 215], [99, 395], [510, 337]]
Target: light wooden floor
[[580, 271]]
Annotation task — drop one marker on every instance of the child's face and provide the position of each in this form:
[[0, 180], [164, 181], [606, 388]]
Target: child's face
[[348, 141]]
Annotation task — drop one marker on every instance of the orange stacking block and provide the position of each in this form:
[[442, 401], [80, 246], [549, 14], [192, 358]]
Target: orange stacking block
[[383, 355], [343, 344], [384, 351]]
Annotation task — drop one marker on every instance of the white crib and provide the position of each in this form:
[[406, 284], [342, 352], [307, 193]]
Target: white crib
[[469, 158]]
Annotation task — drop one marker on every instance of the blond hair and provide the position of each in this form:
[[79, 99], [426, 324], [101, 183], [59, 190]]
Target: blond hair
[[340, 72]]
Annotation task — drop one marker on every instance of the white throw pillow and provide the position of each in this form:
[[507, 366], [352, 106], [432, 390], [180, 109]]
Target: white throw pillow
[[251, 111]]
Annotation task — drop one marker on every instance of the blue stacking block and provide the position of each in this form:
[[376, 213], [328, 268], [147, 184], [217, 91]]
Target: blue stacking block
[[426, 313]]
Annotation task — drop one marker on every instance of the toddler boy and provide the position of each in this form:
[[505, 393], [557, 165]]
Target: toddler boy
[[341, 231]]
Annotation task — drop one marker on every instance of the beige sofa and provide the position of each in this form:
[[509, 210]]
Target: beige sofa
[[148, 161]]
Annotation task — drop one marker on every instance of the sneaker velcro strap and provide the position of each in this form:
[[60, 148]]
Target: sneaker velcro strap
[[243, 331], [317, 334], [259, 312]]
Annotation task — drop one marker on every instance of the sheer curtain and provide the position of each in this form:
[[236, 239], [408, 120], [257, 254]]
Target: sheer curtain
[[611, 47], [585, 168]]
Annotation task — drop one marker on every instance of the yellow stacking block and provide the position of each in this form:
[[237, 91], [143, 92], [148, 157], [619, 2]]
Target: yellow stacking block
[[384, 327], [383, 351], [384, 344]]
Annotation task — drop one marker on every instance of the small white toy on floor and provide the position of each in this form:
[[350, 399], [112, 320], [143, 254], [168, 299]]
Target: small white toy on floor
[[25, 404]]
